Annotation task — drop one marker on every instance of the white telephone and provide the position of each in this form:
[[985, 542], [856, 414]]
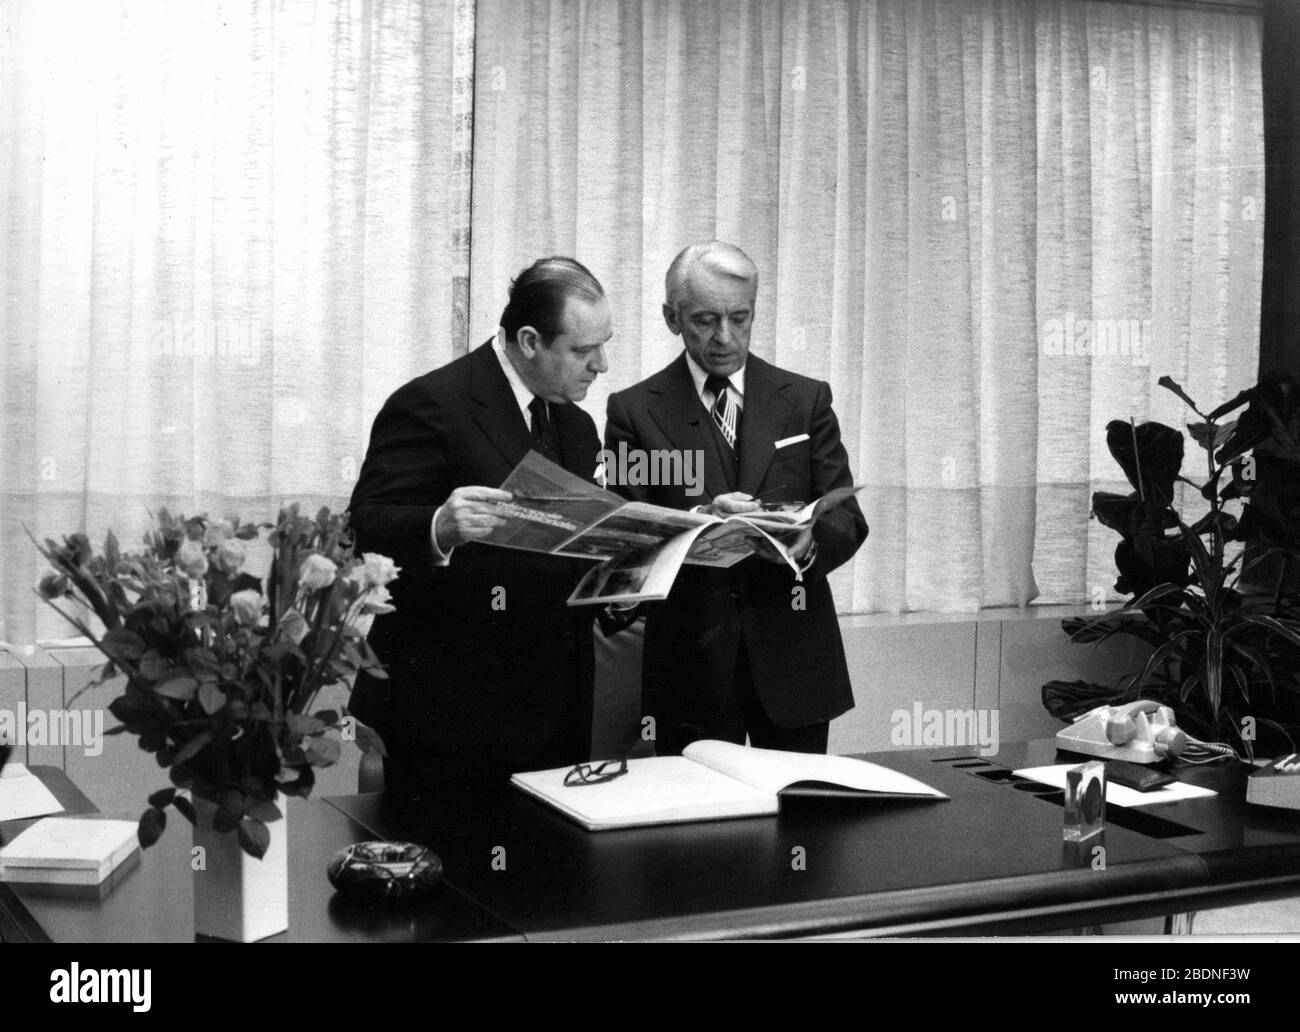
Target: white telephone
[[1139, 732]]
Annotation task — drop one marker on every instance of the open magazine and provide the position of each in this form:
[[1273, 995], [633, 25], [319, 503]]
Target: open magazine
[[638, 547]]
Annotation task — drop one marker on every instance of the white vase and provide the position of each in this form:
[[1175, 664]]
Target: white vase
[[236, 896]]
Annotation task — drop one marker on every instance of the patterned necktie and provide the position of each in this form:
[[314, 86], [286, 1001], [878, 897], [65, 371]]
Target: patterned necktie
[[725, 412], [545, 440]]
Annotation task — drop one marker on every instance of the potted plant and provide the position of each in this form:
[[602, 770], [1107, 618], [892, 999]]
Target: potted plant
[[221, 676], [1225, 647]]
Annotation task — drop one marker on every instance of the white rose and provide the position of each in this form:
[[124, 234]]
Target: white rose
[[217, 532], [192, 560], [380, 570], [294, 625], [247, 606], [316, 572], [231, 555], [377, 600]]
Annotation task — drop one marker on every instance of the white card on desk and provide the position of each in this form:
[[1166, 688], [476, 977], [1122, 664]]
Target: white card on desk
[[1118, 794], [23, 795]]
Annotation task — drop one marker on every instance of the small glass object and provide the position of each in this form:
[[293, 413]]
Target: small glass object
[[1085, 801]]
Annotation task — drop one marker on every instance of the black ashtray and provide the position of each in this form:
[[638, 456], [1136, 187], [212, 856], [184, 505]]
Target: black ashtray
[[385, 870]]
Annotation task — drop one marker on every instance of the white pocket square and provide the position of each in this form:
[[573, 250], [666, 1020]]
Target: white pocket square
[[785, 442]]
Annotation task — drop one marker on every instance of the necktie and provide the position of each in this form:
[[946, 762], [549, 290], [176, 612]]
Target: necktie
[[545, 439], [725, 412]]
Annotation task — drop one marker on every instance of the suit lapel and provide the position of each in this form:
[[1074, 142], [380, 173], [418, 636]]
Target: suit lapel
[[676, 408], [576, 442], [497, 414], [766, 413]]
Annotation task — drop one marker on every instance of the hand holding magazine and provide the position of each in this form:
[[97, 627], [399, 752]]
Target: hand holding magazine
[[714, 780], [640, 547]]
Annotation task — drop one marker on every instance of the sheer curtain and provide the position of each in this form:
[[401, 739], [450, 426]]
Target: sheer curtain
[[228, 231], [937, 194]]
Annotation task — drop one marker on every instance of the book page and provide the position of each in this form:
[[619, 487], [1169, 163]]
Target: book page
[[656, 790], [774, 769]]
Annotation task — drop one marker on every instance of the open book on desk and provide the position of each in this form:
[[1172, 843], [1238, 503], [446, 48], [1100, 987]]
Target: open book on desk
[[714, 780], [639, 547]]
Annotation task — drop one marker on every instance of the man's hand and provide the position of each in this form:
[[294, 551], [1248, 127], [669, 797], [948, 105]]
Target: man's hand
[[733, 503], [468, 514]]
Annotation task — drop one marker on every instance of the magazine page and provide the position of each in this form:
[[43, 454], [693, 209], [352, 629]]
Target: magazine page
[[722, 545], [549, 506], [786, 515], [642, 576], [633, 527], [770, 539]]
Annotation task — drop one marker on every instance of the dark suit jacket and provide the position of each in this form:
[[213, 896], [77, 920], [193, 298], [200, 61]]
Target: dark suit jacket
[[692, 640], [468, 679]]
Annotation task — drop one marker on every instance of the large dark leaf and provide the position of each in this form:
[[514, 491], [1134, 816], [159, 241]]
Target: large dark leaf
[[1116, 511], [1146, 562], [1150, 455]]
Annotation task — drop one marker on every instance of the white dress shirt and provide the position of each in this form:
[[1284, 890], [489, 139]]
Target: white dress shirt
[[735, 392]]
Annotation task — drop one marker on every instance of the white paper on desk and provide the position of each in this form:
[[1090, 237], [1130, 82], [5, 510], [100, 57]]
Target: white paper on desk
[[23, 795], [1118, 794]]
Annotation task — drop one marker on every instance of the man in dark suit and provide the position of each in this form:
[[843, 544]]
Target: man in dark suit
[[488, 671], [749, 651]]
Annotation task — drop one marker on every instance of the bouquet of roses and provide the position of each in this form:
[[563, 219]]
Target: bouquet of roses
[[222, 670]]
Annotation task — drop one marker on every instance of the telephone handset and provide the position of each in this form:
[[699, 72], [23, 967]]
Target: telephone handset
[[1139, 732]]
